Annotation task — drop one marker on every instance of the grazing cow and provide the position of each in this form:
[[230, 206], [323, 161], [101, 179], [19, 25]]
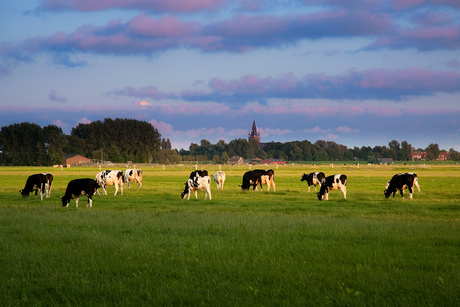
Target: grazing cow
[[78, 187], [36, 182], [313, 179], [269, 181], [219, 179], [333, 182], [134, 175], [49, 182], [415, 181], [198, 173], [251, 178], [399, 182], [109, 177], [195, 184]]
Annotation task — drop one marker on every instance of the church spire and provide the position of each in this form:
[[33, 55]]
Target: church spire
[[254, 135]]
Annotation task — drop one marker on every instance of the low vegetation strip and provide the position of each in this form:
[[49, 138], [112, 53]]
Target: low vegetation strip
[[241, 248]]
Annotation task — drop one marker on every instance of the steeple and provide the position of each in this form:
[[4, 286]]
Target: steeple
[[254, 135]]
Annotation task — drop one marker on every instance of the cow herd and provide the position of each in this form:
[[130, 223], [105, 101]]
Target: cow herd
[[84, 186], [200, 180]]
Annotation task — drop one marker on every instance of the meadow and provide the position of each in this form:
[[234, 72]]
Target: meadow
[[283, 248]]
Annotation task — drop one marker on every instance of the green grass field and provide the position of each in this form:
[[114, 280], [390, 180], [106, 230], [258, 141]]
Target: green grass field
[[149, 247]]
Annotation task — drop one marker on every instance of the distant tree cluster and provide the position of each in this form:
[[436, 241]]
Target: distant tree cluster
[[118, 140], [305, 151]]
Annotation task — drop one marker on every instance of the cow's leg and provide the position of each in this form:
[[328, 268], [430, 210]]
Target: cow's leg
[[116, 188], [121, 187], [417, 185], [326, 195], [196, 194], [104, 189], [309, 188], [273, 184], [76, 201], [411, 191], [42, 191], [90, 201], [402, 193], [344, 191]]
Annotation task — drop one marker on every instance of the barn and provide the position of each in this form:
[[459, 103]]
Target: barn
[[75, 159]]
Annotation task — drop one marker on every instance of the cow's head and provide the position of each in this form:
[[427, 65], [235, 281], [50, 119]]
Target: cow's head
[[65, 201], [184, 193], [386, 193], [24, 193], [304, 177], [320, 196]]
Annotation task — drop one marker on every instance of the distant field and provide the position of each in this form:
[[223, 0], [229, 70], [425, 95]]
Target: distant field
[[149, 247]]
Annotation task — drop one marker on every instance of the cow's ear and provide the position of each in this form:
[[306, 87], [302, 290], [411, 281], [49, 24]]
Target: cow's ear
[[60, 197]]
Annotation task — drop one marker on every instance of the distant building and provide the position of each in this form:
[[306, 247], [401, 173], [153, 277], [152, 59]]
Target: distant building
[[74, 159], [254, 134], [443, 156], [235, 160]]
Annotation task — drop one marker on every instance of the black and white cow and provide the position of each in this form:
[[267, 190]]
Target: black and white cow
[[267, 176], [314, 178], [333, 182], [401, 181], [134, 175], [109, 177], [195, 184], [219, 179], [49, 182], [251, 178], [198, 173], [78, 187], [37, 183], [411, 173]]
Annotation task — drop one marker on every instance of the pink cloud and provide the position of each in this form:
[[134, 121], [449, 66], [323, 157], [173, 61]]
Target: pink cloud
[[164, 27], [162, 127]]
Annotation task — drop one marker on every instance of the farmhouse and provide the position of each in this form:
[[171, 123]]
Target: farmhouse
[[75, 159], [235, 160]]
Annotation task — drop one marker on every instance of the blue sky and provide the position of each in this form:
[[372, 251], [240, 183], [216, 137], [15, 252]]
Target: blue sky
[[359, 73]]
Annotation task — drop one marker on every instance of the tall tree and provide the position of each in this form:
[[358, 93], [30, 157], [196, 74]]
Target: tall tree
[[23, 144]]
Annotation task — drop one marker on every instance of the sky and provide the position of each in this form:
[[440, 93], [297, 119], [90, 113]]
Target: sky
[[359, 73]]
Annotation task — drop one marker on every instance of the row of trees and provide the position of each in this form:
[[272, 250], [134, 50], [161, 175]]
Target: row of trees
[[122, 140], [306, 151]]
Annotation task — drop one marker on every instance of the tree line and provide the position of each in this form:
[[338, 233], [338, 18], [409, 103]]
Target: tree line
[[123, 140], [306, 151]]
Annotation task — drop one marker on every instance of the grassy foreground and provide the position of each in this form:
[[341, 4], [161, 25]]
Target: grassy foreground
[[149, 247]]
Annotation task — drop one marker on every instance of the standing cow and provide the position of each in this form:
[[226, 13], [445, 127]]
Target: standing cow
[[251, 178], [78, 187], [109, 177], [399, 182], [198, 173], [269, 178], [49, 182], [195, 184], [134, 175], [219, 179], [411, 173], [37, 183], [313, 179], [333, 182]]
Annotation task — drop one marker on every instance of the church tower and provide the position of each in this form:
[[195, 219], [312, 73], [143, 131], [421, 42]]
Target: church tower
[[254, 135]]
